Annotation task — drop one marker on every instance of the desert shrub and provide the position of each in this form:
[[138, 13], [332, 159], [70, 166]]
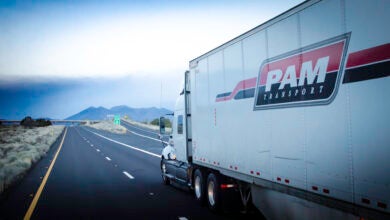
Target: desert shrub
[[108, 126], [42, 122], [27, 122], [21, 148], [156, 122]]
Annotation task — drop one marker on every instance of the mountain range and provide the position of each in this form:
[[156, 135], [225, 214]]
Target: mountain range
[[135, 114]]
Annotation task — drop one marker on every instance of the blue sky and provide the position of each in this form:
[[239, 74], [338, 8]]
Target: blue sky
[[59, 57]]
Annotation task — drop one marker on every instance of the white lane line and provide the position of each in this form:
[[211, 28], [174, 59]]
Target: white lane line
[[126, 145], [91, 145], [183, 218], [154, 139], [139, 128], [97, 150], [107, 158], [128, 175]]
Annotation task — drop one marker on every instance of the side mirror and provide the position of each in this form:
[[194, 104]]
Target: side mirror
[[162, 125]]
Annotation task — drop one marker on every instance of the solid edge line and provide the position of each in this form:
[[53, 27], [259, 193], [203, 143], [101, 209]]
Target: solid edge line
[[144, 136], [40, 189], [134, 126], [126, 145], [133, 132], [128, 175]]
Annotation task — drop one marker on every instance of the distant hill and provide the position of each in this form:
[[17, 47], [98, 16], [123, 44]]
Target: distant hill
[[136, 114]]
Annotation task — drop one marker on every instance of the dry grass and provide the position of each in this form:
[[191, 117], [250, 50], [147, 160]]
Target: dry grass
[[149, 126], [108, 126], [21, 147]]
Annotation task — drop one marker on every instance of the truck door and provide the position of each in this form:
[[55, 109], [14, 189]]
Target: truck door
[[180, 147]]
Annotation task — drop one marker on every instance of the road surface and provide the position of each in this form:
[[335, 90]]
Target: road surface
[[100, 175]]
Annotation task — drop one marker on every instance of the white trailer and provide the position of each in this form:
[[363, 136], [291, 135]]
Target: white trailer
[[293, 113]]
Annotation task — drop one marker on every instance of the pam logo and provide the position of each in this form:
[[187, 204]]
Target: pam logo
[[307, 76]]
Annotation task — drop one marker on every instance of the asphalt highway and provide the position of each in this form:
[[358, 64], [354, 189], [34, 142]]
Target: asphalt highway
[[100, 175]]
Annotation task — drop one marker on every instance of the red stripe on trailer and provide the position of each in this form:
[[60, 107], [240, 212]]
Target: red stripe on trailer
[[370, 55], [325, 191], [242, 85], [258, 173], [278, 179], [287, 181], [315, 188], [252, 172], [235, 168]]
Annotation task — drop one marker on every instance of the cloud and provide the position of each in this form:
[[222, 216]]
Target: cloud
[[118, 39]]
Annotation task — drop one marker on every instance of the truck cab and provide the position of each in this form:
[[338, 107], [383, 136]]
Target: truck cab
[[174, 158]]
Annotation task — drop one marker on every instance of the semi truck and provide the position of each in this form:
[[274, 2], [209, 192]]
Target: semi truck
[[293, 115]]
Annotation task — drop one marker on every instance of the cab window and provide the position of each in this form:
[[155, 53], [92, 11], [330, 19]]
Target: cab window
[[180, 124]]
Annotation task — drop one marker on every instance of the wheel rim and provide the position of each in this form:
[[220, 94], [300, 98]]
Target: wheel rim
[[197, 187], [163, 168], [210, 192], [164, 171]]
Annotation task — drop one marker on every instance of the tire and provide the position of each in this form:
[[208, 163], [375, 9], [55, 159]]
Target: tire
[[213, 192], [199, 187], [165, 179]]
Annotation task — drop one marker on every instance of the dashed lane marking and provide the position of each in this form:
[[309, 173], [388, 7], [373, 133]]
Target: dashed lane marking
[[97, 150], [107, 158], [128, 175], [126, 145]]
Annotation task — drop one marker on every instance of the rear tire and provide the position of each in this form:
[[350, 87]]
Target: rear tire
[[213, 192], [165, 179], [199, 186]]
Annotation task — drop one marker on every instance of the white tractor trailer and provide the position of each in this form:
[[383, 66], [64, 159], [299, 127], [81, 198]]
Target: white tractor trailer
[[293, 115]]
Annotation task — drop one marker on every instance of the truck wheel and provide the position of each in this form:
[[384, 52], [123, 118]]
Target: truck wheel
[[165, 179], [213, 192], [199, 186]]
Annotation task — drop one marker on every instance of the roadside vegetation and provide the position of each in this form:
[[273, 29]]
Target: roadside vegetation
[[107, 125], [21, 147], [153, 125], [142, 125]]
